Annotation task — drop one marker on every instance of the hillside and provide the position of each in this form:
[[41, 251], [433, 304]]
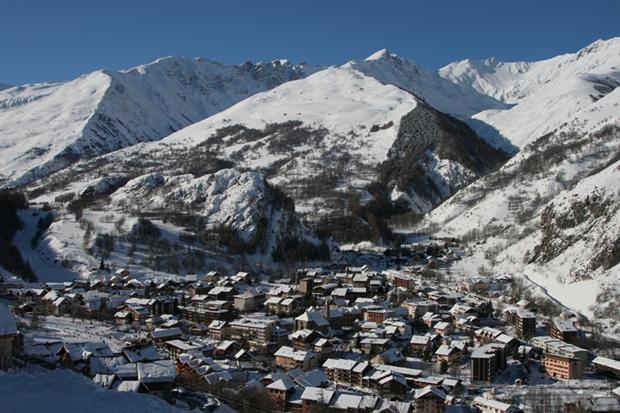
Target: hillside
[[543, 94], [321, 139], [551, 212], [48, 126]]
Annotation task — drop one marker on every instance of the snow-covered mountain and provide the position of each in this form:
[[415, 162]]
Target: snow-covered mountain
[[4, 86], [47, 126], [543, 94], [379, 129], [458, 99], [551, 212], [322, 137]]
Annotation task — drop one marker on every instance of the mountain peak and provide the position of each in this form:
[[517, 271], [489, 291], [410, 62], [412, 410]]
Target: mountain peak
[[380, 54]]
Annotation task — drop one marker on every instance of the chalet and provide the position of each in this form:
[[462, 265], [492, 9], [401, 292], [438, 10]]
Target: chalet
[[24, 308], [289, 358], [304, 339], [141, 353], [123, 317], [486, 335], [510, 342], [461, 310], [136, 313], [283, 290], [447, 354], [374, 345], [443, 328], [564, 330], [423, 381], [213, 276], [284, 307], [133, 284], [227, 348], [278, 392], [324, 289], [322, 347], [222, 293], [178, 347], [360, 280], [420, 345], [208, 311], [451, 385], [98, 364], [156, 378], [389, 356], [389, 385], [431, 318], [312, 320], [429, 400], [316, 398], [76, 355], [476, 285], [62, 306]]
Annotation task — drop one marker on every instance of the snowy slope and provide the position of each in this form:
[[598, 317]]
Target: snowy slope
[[47, 126], [459, 99], [320, 139], [543, 93], [64, 390], [551, 212], [346, 125], [329, 131]]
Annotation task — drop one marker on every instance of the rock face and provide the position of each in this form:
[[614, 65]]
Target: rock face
[[588, 219]]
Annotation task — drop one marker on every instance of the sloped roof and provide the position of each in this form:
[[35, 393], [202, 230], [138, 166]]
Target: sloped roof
[[429, 390], [157, 371], [284, 384]]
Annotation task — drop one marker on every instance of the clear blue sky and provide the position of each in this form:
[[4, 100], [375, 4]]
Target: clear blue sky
[[57, 40]]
